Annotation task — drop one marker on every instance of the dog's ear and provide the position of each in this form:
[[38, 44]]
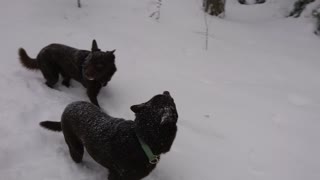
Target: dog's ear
[[94, 46], [111, 52], [137, 108]]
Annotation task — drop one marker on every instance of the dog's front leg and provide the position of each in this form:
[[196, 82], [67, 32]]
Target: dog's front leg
[[92, 92], [114, 175]]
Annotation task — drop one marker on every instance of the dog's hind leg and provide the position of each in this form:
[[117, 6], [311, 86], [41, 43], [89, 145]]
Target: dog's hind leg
[[114, 175], [66, 79], [76, 148], [50, 83], [66, 82], [50, 73]]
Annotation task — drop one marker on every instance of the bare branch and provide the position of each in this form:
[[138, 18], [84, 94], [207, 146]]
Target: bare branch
[[156, 13], [206, 30]]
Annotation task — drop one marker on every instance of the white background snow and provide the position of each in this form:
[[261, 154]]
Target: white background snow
[[248, 106]]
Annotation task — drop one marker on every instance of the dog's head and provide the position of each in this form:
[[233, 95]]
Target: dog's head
[[156, 121], [99, 65], [160, 109]]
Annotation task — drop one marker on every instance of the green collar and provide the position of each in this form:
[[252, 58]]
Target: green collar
[[153, 159]]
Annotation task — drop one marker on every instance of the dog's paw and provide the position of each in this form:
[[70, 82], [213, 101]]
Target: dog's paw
[[66, 83]]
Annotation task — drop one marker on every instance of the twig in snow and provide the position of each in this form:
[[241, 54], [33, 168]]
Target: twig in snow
[[207, 29], [156, 13]]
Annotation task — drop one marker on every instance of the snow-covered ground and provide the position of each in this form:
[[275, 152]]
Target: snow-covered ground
[[248, 106]]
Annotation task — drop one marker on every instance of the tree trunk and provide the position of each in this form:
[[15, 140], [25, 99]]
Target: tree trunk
[[299, 6], [214, 7], [79, 4], [316, 14], [255, 2]]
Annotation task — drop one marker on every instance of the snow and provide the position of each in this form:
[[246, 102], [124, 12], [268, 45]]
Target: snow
[[248, 106]]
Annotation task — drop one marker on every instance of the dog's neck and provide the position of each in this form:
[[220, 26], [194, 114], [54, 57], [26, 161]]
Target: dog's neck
[[153, 158], [159, 139]]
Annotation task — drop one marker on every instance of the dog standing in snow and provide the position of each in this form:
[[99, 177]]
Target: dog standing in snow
[[93, 69], [129, 149]]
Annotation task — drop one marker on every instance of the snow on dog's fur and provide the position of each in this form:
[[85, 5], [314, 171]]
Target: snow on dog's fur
[[114, 142]]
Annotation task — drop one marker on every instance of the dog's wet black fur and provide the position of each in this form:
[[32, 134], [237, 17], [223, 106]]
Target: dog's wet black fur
[[93, 69], [113, 142]]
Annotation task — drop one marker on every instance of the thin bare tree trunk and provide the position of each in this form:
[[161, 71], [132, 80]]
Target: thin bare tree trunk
[[316, 14], [299, 6], [207, 30]]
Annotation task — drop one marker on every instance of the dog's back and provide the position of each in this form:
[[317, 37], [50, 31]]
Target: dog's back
[[56, 58], [66, 60], [87, 121], [62, 55], [110, 141]]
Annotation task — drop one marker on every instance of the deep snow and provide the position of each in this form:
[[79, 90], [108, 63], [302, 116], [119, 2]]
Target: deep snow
[[248, 106]]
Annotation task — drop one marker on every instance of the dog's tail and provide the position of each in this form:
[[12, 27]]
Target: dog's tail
[[51, 125], [26, 61]]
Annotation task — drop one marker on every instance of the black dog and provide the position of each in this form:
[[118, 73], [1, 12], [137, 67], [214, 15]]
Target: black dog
[[129, 149], [92, 69]]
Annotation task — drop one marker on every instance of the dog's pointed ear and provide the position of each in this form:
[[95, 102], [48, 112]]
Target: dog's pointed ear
[[137, 108], [94, 46], [111, 52]]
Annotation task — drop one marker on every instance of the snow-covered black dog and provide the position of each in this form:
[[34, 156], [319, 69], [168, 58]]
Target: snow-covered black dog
[[129, 149], [93, 69]]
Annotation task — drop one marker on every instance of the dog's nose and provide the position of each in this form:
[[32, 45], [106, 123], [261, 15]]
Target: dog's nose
[[166, 93]]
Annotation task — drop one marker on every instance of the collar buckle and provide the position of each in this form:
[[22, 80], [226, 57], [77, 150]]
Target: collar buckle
[[155, 160]]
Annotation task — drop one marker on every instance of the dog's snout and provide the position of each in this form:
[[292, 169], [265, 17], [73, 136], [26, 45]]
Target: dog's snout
[[166, 93]]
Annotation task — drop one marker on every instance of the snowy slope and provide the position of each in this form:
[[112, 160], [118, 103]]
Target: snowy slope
[[248, 106]]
